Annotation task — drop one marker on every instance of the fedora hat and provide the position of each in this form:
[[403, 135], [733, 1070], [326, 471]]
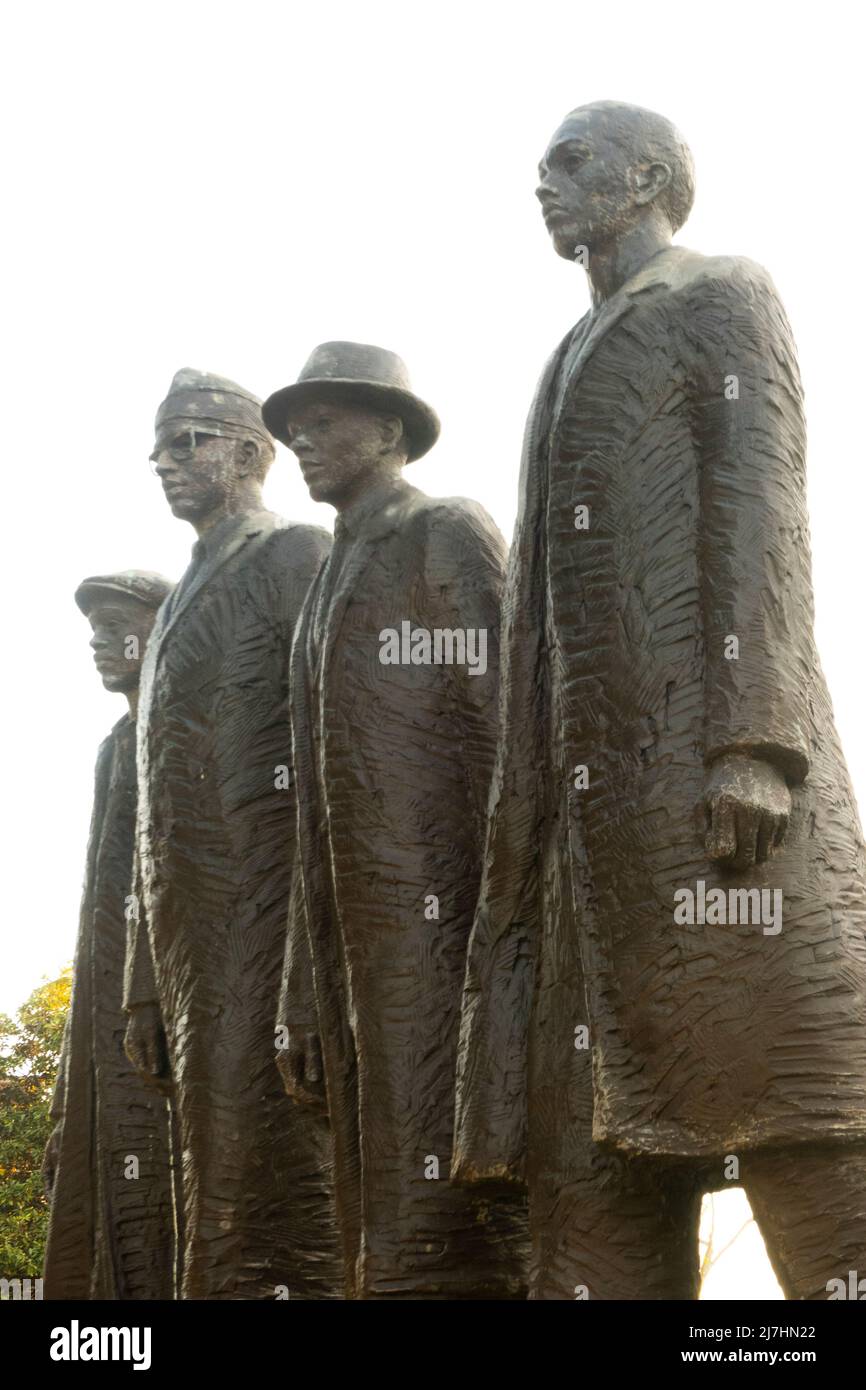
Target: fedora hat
[[149, 588], [373, 375]]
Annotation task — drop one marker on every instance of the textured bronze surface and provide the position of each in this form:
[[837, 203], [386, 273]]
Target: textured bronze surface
[[107, 1163], [673, 414], [215, 834], [393, 764]]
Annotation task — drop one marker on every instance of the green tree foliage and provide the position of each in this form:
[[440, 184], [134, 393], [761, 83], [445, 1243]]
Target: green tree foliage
[[29, 1057]]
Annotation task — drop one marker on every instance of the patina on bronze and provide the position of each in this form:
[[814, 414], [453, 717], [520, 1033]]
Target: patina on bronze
[[215, 834], [107, 1161], [665, 727], [392, 756]]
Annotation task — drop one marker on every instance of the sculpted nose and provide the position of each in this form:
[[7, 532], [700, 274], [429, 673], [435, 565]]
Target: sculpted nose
[[97, 643]]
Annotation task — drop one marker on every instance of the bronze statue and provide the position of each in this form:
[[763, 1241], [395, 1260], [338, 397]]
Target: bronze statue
[[107, 1161], [215, 829], [635, 1030], [394, 676]]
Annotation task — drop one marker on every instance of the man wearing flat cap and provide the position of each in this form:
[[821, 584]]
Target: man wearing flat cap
[[215, 835], [107, 1161], [392, 751]]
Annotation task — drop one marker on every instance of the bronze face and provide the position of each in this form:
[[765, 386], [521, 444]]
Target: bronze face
[[339, 444], [584, 184], [199, 472], [121, 626]]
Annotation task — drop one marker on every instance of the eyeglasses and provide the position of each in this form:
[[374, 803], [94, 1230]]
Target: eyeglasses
[[182, 447]]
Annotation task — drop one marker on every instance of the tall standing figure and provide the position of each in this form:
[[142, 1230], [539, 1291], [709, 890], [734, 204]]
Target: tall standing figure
[[394, 678], [666, 987], [215, 833], [107, 1161]]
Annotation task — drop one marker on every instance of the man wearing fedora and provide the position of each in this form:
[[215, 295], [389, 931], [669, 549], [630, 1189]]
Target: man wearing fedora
[[215, 834], [392, 760], [107, 1161]]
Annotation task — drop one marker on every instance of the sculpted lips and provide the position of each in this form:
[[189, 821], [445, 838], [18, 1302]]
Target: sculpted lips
[[108, 666], [551, 211]]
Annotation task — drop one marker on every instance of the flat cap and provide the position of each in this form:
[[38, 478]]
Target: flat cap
[[148, 587]]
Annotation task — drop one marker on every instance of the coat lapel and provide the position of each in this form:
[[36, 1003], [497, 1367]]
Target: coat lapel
[[316, 902], [657, 273], [166, 621], [253, 526], [348, 581]]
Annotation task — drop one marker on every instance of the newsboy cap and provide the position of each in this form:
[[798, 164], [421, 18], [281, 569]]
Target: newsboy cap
[[148, 587], [364, 373]]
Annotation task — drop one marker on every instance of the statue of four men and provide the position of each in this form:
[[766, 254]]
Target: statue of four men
[[458, 894]]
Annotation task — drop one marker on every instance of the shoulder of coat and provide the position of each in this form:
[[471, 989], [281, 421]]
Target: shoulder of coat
[[107, 743], [457, 519], [106, 749], [296, 542], [737, 275]]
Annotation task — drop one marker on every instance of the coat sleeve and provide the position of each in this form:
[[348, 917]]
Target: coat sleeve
[[755, 573], [492, 1096], [139, 976], [305, 549], [465, 566], [297, 1003], [58, 1095], [464, 571], [310, 548], [80, 968]]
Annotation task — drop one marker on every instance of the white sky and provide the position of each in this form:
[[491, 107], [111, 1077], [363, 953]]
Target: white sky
[[223, 186]]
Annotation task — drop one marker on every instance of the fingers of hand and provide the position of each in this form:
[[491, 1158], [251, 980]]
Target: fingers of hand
[[722, 837], [766, 837], [748, 820]]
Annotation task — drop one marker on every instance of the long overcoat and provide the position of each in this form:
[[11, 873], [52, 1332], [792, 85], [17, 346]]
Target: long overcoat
[[110, 1230], [675, 416], [215, 839], [393, 765]]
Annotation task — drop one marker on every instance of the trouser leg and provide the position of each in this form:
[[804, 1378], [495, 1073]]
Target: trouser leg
[[810, 1205], [620, 1229]]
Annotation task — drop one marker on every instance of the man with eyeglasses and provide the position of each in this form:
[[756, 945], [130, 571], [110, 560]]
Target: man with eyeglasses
[[215, 830]]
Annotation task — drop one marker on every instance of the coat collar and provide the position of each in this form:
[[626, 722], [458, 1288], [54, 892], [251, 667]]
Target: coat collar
[[659, 271], [386, 511], [209, 555], [376, 513]]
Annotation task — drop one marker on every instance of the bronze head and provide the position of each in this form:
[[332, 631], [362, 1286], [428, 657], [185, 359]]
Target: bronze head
[[608, 167], [211, 450], [121, 609]]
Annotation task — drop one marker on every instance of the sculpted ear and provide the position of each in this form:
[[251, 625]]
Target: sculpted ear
[[248, 457], [392, 431], [648, 180]]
